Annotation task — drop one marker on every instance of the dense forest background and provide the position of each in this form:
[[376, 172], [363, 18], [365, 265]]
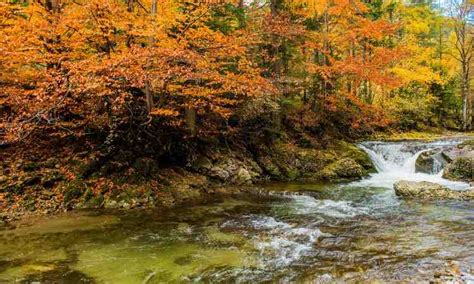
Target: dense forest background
[[157, 73]]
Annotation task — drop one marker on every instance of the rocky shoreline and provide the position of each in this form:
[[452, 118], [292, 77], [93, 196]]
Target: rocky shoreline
[[39, 186], [36, 187]]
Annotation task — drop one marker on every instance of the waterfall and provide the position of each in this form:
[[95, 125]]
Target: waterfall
[[396, 161], [393, 157]]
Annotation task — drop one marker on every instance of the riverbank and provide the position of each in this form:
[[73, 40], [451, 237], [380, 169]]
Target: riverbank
[[40, 183], [35, 182], [427, 135]]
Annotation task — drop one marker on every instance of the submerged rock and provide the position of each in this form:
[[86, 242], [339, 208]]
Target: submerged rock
[[429, 191]]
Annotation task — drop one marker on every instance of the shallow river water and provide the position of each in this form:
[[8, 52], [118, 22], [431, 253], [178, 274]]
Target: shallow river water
[[354, 232]]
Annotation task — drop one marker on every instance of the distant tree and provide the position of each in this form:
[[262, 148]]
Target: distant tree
[[462, 14]]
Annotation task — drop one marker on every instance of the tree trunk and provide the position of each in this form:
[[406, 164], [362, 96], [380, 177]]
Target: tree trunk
[[51, 5], [130, 4], [150, 104], [274, 7], [466, 108], [461, 13], [154, 7], [190, 118], [149, 96]]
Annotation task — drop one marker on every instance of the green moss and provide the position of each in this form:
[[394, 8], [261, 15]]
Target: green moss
[[429, 135], [342, 169], [51, 179], [31, 166], [94, 202], [74, 190], [29, 203], [347, 150], [461, 168]]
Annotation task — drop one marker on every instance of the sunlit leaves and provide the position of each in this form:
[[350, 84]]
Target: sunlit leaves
[[95, 58]]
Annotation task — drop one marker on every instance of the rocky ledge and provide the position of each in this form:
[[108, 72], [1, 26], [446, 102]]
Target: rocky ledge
[[457, 162], [430, 191]]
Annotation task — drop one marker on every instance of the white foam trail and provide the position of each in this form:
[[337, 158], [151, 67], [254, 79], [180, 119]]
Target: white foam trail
[[397, 161], [304, 204], [279, 243]]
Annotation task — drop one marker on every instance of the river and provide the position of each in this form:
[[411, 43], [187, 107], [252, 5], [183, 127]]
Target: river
[[316, 233]]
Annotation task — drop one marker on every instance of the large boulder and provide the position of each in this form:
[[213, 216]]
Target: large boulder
[[462, 150], [342, 169], [462, 168], [461, 162], [430, 162], [429, 191], [228, 168]]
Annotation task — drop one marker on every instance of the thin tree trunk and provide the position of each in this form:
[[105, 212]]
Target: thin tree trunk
[[465, 92], [149, 96], [130, 4], [190, 118], [274, 7], [154, 7], [461, 12], [52, 5], [150, 104]]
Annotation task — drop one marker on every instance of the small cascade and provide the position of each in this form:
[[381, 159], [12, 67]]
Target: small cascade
[[396, 161]]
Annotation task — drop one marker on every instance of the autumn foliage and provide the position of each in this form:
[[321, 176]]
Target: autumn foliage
[[84, 63], [83, 67]]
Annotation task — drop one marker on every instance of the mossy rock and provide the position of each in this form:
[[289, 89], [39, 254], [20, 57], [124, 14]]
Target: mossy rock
[[348, 150], [468, 144], [73, 190], [429, 191], [31, 180], [424, 162], [32, 166], [48, 181], [462, 168], [342, 169], [50, 163], [90, 200]]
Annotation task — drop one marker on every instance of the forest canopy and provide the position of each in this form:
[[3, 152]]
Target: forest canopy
[[168, 69]]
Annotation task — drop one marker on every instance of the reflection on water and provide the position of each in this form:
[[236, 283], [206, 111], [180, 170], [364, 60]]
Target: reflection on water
[[341, 233]]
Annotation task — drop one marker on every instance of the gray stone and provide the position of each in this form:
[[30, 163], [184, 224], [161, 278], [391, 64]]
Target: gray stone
[[220, 173], [243, 176], [111, 204], [462, 168], [429, 191], [430, 162]]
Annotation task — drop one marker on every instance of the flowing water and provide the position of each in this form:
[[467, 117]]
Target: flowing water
[[316, 233]]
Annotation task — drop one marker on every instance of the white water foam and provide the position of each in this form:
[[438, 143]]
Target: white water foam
[[304, 204], [396, 161], [279, 243]]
